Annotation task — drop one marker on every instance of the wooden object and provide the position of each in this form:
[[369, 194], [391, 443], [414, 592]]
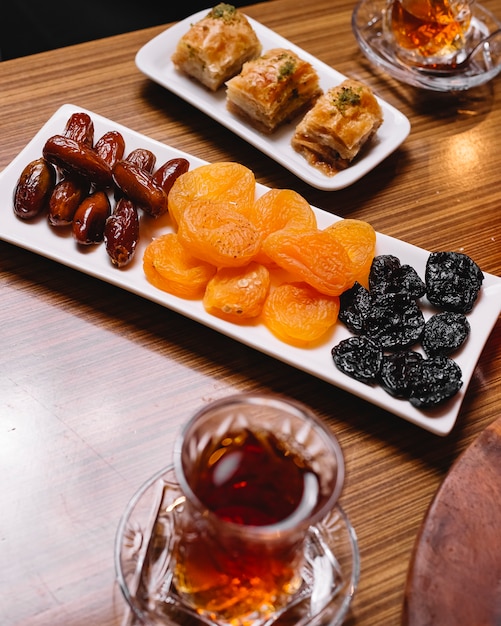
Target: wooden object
[[454, 577]]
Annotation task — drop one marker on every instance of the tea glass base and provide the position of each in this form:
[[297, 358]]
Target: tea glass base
[[367, 25], [144, 566]]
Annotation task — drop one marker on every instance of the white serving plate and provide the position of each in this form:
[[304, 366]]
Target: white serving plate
[[39, 237], [154, 60]]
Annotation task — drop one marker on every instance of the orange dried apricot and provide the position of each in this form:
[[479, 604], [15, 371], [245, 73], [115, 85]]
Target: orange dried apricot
[[280, 208], [237, 293], [170, 267], [217, 234], [359, 239], [312, 256], [298, 314], [220, 181]]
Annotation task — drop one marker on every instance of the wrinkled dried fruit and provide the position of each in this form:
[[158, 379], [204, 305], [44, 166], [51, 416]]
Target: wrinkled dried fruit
[[359, 357], [444, 333], [217, 234], [398, 372], [354, 307], [170, 267], [359, 240], [387, 275], [222, 181], [298, 314], [65, 200], [435, 380], [237, 293], [312, 256], [34, 188], [121, 233], [393, 319], [90, 218], [453, 281]]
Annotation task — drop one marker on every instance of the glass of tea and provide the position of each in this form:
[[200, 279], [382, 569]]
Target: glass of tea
[[256, 472], [428, 33]]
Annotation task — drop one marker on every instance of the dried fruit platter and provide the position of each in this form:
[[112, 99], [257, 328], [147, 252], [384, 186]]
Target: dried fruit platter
[[153, 59], [38, 236]]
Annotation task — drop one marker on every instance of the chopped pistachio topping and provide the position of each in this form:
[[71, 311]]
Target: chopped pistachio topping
[[223, 11], [347, 97], [287, 68]]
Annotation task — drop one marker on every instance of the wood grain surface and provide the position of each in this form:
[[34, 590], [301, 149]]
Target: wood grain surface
[[95, 382]]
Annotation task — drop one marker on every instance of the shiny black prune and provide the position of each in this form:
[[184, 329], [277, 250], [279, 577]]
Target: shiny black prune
[[434, 381], [453, 281], [387, 275], [394, 319], [397, 372], [444, 333], [359, 357], [353, 307]]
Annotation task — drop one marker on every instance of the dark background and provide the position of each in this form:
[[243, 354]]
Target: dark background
[[31, 26]]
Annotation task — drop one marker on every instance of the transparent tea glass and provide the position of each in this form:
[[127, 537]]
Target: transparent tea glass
[[256, 471], [428, 33]]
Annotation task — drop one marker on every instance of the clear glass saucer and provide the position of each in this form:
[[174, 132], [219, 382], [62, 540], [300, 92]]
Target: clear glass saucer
[[367, 25], [144, 568]]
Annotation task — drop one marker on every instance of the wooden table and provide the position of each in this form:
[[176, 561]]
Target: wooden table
[[95, 382]]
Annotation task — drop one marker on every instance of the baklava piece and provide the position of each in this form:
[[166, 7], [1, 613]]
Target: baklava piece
[[272, 89], [343, 120], [215, 48]]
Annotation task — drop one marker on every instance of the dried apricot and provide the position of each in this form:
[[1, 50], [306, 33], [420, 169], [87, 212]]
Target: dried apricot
[[220, 181], [298, 314], [169, 267], [280, 208], [237, 293], [217, 234], [312, 256], [359, 239]]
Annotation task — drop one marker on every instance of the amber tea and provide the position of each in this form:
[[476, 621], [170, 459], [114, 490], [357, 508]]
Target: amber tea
[[428, 32], [252, 489]]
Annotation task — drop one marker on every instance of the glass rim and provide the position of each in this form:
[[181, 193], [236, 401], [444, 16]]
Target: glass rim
[[284, 403]]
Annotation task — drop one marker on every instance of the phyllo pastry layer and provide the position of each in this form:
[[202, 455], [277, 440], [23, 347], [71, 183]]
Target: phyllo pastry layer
[[272, 89], [215, 48], [340, 124]]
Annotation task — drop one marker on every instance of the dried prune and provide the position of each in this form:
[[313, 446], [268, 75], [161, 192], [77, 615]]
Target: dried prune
[[397, 372], [354, 305], [359, 357], [444, 333], [387, 275], [435, 380], [394, 319], [453, 281]]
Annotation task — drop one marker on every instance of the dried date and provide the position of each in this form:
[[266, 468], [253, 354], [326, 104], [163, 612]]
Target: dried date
[[78, 158], [90, 218], [34, 188], [121, 233]]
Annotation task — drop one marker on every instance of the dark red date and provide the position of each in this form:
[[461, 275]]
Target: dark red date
[[137, 185], [80, 127], [65, 199], [34, 188], [143, 158], [167, 173], [121, 233], [111, 147], [78, 158], [90, 218]]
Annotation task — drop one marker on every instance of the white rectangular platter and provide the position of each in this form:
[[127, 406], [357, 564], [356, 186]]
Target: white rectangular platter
[[154, 60], [39, 237]]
